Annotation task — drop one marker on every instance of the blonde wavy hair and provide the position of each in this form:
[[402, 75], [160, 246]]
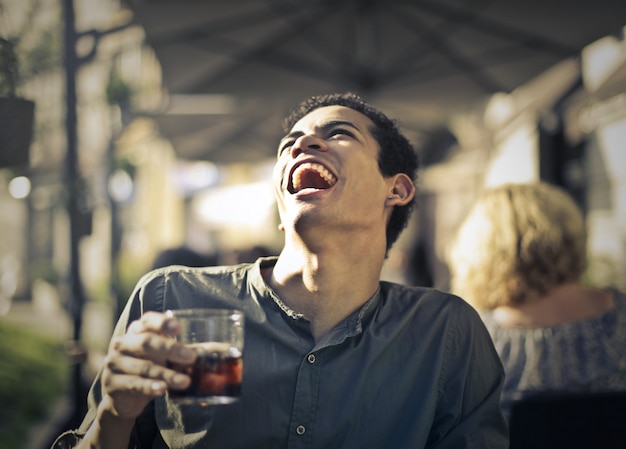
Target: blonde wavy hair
[[517, 243]]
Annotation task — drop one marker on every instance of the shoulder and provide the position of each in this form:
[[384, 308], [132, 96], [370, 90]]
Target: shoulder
[[179, 274], [181, 286], [430, 308], [420, 298]]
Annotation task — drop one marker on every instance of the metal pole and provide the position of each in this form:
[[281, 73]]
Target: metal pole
[[71, 182]]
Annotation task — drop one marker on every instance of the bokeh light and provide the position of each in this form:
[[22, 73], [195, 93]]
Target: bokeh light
[[19, 187]]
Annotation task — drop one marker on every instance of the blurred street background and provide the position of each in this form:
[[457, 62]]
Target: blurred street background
[[128, 128]]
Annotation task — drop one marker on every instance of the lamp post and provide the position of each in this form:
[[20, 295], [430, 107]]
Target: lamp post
[[71, 176], [75, 192]]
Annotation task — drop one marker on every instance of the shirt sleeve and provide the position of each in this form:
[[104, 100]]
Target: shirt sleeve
[[67, 440], [470, 387], [145, 429]]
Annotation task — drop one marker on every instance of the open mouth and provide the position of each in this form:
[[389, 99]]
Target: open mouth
[[311, 175]]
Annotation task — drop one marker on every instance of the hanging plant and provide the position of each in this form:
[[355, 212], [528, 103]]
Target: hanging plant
[[16, 114], [8, 68], [118, 91]]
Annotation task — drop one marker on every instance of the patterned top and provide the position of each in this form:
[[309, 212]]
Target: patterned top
[[586, 355]]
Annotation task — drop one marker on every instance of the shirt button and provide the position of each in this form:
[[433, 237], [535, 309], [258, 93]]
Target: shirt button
[[300, 430], [311, 358]]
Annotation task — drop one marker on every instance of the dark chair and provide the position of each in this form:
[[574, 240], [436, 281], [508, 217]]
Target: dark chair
[[569, 420]]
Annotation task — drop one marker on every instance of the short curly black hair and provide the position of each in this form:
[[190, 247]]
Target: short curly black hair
[[397, 155]]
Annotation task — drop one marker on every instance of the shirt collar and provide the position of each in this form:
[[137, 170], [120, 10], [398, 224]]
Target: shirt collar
[[350, 327]]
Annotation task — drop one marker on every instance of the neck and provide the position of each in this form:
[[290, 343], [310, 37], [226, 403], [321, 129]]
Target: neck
[[328, 283]]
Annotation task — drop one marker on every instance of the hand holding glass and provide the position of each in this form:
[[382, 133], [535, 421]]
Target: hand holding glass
[[217, 337]]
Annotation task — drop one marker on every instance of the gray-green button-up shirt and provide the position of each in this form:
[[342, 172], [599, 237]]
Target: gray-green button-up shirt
[[413, 368]]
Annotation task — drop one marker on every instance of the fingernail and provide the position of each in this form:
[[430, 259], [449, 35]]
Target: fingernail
[[179, 379], [172, 326], [157, 387]]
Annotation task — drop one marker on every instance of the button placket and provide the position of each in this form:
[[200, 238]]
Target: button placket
[[305, 402]]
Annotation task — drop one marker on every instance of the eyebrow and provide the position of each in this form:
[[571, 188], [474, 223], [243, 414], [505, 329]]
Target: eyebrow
[[325, 127]]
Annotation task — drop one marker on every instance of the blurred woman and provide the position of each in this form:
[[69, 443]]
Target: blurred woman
[[519, 258]]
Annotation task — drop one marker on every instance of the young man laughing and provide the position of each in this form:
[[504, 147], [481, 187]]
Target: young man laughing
[[333, 357]]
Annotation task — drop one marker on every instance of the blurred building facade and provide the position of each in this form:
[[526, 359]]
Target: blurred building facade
[[113, 68], [137, 198], [567, 127]]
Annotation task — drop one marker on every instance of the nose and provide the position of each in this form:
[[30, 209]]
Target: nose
[[307, 142]]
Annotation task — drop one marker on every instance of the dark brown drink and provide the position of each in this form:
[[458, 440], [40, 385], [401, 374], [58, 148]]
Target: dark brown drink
[[215, 377]]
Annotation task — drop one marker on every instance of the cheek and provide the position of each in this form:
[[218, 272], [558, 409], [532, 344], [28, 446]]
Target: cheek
[[371, 179], [277, 179], [277, 175]]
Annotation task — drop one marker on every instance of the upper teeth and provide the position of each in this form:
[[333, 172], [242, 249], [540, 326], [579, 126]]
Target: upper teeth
[[319, 168]]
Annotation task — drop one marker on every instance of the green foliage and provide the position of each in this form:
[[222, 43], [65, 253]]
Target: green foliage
[[33, 373], [44, 269], [602, 272], [44, 56], [8, 67], [118, 91], [28, 54]]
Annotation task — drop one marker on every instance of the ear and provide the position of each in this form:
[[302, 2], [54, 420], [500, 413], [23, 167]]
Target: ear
[[402, 190]]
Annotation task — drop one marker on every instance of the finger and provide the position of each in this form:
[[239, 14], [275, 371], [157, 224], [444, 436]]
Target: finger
[[134, 385], [145, 369], [152, 346], [163, 323]]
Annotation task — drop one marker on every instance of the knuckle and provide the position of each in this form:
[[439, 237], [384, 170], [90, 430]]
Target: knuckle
[[109, 363], [147, 370], [152, 320], [135, 327], [170, 345], [106, 379], [149, 315], [141, 386], [146, 342], [137, 387], [116, 343]]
